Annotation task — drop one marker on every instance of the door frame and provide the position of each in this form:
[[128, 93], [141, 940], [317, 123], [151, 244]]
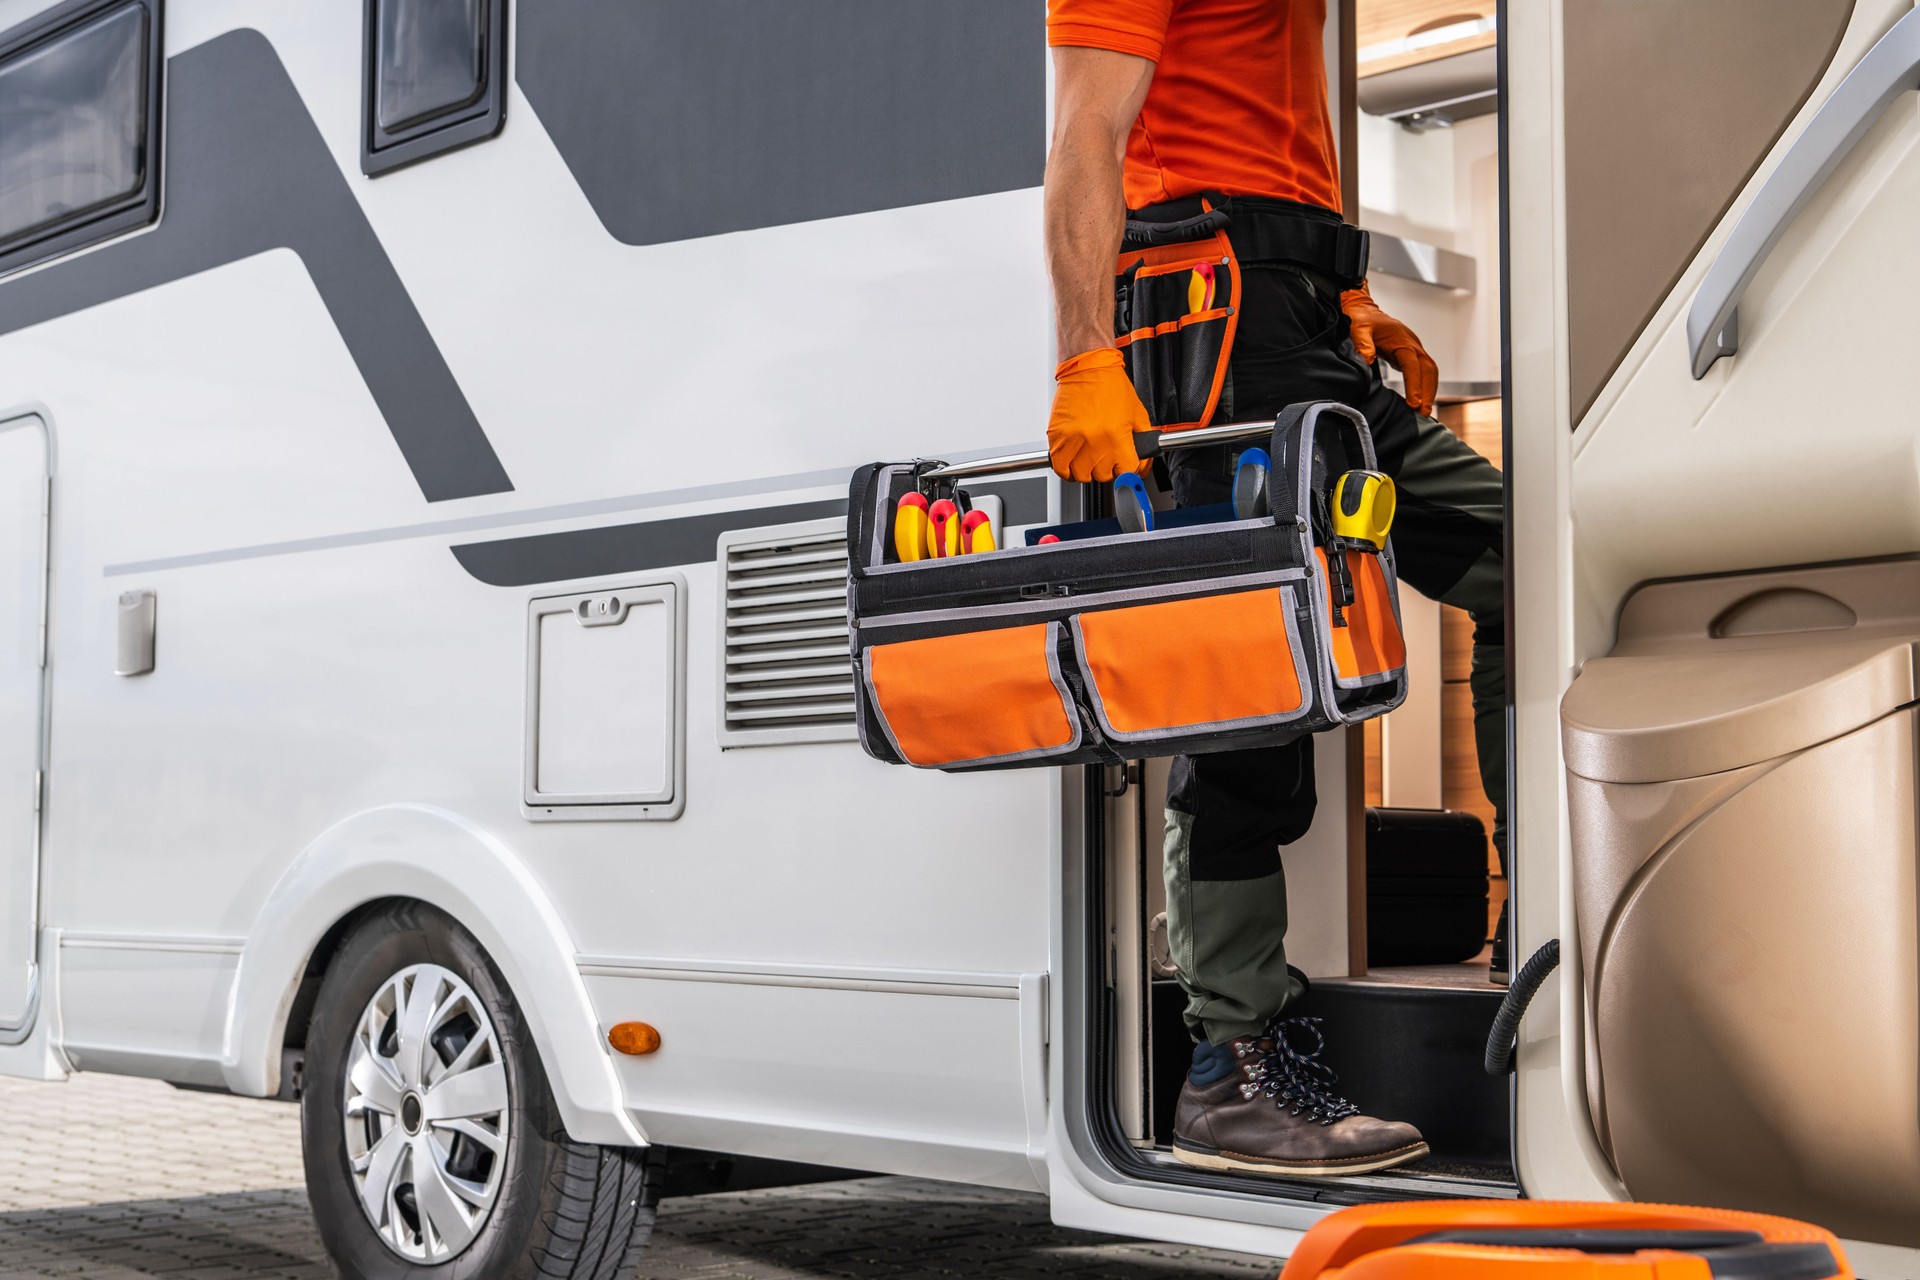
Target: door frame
[[17, 1031]]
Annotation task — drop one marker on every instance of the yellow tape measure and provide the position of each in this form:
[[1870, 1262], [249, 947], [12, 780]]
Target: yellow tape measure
[[1363, 505]]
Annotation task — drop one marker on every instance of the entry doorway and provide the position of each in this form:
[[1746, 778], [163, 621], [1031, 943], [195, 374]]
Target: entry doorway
[[24, 526]]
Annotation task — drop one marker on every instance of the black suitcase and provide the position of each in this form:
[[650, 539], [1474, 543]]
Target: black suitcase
[[1426, 886]]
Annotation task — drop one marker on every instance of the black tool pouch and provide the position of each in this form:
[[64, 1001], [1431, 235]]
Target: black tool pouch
[[1176, 297]]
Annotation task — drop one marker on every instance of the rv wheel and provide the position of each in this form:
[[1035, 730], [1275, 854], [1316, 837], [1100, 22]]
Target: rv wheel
[[430, 1134]]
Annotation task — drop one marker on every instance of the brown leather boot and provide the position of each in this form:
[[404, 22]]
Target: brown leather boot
[[1275, 1112]]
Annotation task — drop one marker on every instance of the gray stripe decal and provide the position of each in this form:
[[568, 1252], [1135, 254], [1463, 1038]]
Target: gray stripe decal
[[621, 548], [505, 520], [247, 172], [686, 118]]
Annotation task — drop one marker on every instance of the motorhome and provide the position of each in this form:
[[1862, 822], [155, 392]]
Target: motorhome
[[425, 436]]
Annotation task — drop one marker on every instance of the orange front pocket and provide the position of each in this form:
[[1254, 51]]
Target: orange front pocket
[[1216, 660], [1370, 644], [974, 698]]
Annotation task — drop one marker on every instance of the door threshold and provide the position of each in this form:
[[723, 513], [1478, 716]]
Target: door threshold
[[1471, 975], [1429, 1179]]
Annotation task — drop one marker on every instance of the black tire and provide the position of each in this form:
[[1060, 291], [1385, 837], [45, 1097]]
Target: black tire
[[565, 1210]]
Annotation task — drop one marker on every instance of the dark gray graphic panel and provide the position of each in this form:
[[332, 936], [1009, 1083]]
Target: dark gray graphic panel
[[685, 118], [247, 171]]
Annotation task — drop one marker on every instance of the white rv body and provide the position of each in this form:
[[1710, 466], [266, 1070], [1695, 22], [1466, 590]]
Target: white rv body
[[356, 435], [849, 963]]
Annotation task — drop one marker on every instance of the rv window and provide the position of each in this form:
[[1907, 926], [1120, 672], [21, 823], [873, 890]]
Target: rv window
[[435, 72], [79, 127]]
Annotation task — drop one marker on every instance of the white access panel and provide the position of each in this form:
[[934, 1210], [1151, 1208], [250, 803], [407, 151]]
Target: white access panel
[[23, 580], [606, 703]]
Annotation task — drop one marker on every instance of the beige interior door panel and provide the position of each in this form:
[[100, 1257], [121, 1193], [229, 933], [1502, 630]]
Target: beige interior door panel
[[1800, 448], [1657, 154]]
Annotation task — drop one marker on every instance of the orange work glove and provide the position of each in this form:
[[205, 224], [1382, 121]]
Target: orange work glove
[[1377, 333], [1095, 413]]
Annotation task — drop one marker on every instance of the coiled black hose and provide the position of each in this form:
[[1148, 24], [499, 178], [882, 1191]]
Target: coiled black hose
[[1502, 1040]]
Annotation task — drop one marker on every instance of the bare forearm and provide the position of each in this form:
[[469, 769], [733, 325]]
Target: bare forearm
[[1085, 216]]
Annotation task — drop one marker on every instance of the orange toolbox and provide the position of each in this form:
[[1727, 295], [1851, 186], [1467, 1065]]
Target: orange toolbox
[[1542, 1240], [1100, 645]]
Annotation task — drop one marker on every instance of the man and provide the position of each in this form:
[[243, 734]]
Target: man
[[1158, 103]]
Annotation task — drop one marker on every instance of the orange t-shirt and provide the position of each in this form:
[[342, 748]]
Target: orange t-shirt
[[1238, 102]]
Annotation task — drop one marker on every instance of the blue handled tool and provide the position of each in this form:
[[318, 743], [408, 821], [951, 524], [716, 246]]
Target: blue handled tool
[[1130, 504], [1250, 485]]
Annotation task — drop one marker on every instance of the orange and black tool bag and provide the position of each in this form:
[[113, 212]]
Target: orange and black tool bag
[[1542, 1240], [1204, 637]]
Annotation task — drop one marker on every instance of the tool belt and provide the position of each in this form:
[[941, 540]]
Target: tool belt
[[1177, 289], [1111, 646]]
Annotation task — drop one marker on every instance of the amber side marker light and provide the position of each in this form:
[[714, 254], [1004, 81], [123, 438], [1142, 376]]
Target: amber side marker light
[[633, 1039]]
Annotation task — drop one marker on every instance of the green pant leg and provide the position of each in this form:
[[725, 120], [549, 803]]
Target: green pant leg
[[1228, 939], [1228, 814]]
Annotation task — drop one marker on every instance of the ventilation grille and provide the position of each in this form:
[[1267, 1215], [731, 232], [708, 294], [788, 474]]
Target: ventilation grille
[[787, 676]]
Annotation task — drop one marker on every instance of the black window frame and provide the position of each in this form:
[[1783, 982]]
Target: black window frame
[[383, 152], [139, 209]]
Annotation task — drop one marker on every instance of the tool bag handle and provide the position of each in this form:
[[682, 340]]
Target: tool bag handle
[[1147, 444], [1295, 431]]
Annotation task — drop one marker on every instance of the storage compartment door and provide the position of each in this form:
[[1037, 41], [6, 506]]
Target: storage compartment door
[[23, 577], [606, 703]]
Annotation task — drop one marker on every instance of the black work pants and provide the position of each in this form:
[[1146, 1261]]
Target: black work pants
[[1229, 813]]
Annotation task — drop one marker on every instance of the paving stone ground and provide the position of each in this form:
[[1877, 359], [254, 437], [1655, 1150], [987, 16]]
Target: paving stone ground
[[112, 1179]]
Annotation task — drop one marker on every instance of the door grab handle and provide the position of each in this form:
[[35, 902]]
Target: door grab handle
[[1889, 69], [1146, 444]]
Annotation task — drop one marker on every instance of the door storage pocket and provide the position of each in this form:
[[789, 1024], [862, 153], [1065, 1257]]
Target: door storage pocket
[[1214, 663], [1369, 648], [981, 697]]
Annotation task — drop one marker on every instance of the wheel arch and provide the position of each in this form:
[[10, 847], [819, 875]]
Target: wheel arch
[[438, 858]]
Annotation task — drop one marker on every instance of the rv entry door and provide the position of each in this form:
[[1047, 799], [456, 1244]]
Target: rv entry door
[[1713, 476], [24, 509]]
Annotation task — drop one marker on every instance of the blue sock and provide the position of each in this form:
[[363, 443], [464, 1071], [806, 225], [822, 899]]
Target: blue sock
[[1211, 1063]]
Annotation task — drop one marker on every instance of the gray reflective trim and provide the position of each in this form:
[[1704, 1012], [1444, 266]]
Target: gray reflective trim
[[1107, 540], [1166, 732], [882, 525], [1309, 423], [1210, 586], [247, 172], [1037, 753]]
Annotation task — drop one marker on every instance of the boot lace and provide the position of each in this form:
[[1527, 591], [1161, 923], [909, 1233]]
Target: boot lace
[[1299, 1083]]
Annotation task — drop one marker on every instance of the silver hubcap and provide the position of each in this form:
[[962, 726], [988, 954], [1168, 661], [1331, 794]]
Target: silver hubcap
[[426, 1113]]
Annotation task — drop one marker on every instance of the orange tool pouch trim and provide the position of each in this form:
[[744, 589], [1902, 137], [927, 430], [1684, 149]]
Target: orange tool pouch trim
[[1176, 310]]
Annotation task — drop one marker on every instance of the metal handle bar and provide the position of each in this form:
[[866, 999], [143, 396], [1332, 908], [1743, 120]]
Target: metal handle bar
[[1890, 68], [1146, 443]]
